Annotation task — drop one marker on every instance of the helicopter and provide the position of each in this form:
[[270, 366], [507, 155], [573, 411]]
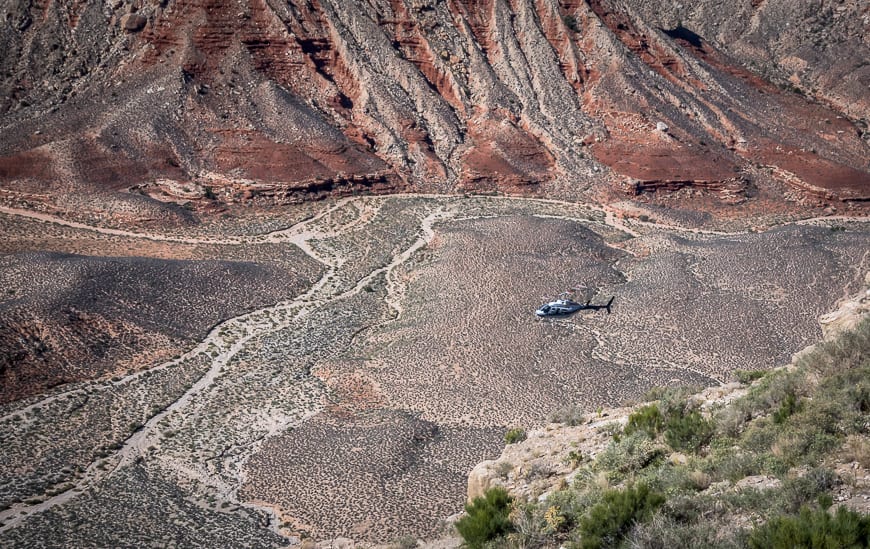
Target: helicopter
[[565, 306]]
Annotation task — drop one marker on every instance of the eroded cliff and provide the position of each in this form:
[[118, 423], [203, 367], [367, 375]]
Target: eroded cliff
[[127, 102]]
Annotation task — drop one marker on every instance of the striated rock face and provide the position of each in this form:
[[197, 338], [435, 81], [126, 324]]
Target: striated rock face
[[282, 101]]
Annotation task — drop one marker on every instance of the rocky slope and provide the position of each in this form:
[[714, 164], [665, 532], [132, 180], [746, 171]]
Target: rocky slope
[[551, 447], [130, 107], [548, 459]]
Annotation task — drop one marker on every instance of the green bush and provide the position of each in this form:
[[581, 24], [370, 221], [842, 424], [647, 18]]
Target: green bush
[[486, 519], [514, 435], [618, 510], [647, 419], [748, 376], [786, 424], [788, 407], [813, 529], [688, 432], [670, 399]]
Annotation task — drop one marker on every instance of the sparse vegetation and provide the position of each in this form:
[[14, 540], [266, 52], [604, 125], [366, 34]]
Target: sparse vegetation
[[486, 518], [768, 458], [748, 376], [514, 435], [569, 415], [272, 376], [609, 519], [813, 528]]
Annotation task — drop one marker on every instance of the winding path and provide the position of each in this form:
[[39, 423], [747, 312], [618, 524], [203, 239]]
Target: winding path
[[231, 336]]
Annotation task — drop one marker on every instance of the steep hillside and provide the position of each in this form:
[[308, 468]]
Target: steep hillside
[[126, 109]]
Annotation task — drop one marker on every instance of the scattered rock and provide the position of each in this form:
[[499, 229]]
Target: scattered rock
[[758, 482], [133, 22]]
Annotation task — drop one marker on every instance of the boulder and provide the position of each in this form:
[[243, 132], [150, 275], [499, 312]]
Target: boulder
[[133, 22]]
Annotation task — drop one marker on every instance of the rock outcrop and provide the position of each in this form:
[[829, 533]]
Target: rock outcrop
[[849, 313], [548, 457]]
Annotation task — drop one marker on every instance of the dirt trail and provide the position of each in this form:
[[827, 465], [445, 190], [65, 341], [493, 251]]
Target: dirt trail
[[231, 336], [297, 236], [47, 218]]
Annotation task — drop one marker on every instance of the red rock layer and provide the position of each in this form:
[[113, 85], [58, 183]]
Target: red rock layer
[[263, 97]]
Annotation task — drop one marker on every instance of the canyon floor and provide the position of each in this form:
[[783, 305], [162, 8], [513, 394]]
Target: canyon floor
[[336, 369]]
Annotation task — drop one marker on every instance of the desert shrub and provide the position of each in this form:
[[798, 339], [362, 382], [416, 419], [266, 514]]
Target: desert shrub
[[529, 525], [662, 532], [731, 420], [537, 471], [673, 479], [611, 428], [760, 435], [813, 529], [699, 480], [574, 458], [569, 415], [647, 419], [486, 518], [571, 22], [860, 396], [748, 376], [798, 491], [670, 399], [857, 449], [630, 454], [789, 406], [405, 542], [804, 444], [514, 435], [503, 468], [849, 351], [573, 503], [732, 464], [689, 431], [772, 390], [607, 521]]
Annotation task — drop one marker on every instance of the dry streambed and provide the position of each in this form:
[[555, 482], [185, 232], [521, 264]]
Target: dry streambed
[[357, 407]]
